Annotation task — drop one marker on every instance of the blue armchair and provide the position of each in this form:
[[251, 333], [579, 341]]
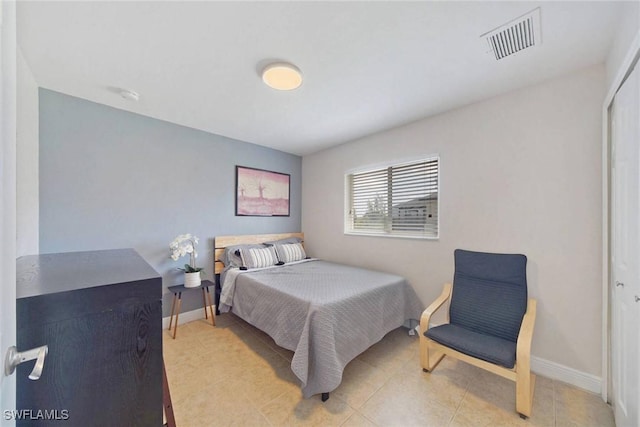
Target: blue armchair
[[490, 321]]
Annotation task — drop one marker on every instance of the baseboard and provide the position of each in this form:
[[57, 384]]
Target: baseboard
[[185, 317], [566, 374]]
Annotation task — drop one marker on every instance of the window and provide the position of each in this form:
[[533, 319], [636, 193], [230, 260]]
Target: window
[[397, 200]]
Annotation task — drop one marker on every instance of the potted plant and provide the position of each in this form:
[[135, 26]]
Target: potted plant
[[182, 245]]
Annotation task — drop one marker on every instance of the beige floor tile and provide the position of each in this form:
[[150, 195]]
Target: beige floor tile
[[220, 405], [292, 409], [543, 382], [187, 380], [359, 381], [486, 408], [358, 420], [447, 390], [457, 371], [543, 411], [358, 370], [226, 319], [412, 366], [355, 393], [575, 407], [234, 374], [384, 359], [493, 388], [403, 402], [483, 410], [193, 328], [263, 384]]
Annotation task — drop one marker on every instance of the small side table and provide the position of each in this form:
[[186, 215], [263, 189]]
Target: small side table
[[206, 302]]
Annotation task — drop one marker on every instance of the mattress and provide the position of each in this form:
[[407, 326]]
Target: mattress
[[326, 313]]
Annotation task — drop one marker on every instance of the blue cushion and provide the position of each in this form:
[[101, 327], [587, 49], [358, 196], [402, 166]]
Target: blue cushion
[[489, 348], [489, 293]]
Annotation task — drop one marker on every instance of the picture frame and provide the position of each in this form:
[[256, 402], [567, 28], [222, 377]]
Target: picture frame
[[262, 192]]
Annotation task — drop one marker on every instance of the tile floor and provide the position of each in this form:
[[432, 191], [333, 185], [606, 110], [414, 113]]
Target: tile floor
[[235, 374]]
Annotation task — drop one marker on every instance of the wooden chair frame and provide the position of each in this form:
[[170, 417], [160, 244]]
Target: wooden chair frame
[[431, 353]]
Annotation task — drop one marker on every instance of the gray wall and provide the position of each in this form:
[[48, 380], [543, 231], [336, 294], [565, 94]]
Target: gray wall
[[114, 179]]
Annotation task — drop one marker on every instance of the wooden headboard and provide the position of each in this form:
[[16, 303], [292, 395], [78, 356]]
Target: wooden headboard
[[221, 242]]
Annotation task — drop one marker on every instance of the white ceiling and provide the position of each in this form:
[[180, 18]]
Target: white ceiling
[[367, 66]]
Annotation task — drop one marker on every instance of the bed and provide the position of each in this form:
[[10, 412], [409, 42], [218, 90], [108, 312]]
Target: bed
[[326, 313]]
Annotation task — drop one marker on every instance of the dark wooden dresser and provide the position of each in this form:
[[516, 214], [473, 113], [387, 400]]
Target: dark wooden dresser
[[100, 313]]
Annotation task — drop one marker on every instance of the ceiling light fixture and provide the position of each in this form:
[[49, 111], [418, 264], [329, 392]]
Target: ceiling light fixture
[[282, 76]]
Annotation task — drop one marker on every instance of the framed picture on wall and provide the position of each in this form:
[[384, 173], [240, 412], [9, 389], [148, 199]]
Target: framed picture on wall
[[262, 193]]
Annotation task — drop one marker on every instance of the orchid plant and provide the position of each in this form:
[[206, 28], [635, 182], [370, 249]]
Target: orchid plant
[[182, 245]]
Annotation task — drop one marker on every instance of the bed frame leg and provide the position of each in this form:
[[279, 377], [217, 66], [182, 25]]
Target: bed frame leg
[[325, 397]]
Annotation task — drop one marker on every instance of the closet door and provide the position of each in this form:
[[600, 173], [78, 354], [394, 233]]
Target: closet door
[[625, 232]]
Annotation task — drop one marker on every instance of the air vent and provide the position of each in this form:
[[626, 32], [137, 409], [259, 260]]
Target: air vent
[[514, 36]]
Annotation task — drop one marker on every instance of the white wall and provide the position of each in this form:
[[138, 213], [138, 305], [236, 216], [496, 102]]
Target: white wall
[[627, 29], [519, 173], [27, 158]]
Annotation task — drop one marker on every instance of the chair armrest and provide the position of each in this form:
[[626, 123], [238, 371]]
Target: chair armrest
[[523, 346], [426, 315]]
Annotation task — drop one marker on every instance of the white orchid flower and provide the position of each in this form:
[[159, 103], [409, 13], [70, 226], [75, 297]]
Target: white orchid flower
[[182, 245]]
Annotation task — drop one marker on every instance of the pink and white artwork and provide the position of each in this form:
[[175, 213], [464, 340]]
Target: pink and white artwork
[[261, 193]]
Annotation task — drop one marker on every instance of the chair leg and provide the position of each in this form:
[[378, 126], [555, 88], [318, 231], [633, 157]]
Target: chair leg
[[424, 353], [525, 384], [429, 358]]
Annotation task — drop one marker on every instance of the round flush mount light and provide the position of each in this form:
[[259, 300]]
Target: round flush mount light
[[282, 76]]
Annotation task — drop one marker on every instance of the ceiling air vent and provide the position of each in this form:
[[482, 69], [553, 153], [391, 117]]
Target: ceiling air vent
[[516, 35]]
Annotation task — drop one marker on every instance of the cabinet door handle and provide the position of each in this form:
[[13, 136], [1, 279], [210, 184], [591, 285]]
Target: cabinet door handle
[[620, 284], [15, 357]]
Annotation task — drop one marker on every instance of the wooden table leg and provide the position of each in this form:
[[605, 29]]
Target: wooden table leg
[[173, 306], [213, 319], [166, 400], [204, 305], [175, 328]]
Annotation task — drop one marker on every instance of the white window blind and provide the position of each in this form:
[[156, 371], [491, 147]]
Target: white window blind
[[397, 200]]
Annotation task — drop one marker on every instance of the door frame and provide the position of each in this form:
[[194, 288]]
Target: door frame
[[8, 112], [630, 59]]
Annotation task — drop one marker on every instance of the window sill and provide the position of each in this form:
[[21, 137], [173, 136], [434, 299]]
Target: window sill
[[393, 236]]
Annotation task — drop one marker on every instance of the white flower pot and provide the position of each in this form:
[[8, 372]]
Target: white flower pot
[[192, 280]]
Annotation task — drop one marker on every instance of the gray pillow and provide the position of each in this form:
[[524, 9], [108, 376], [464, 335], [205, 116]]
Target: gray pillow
[[231, 255], [258, 257], [290, 252]]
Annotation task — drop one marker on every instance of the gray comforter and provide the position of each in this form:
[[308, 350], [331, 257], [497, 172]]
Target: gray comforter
[[326, 313]]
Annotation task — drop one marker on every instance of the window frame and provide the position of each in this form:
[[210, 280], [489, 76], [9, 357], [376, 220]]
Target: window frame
[[348, 190]]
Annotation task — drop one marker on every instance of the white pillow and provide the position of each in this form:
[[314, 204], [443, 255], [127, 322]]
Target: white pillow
[[290, 252], [258, 257]]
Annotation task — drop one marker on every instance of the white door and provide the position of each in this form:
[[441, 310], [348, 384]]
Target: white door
[[625, 215], [7, 202]]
